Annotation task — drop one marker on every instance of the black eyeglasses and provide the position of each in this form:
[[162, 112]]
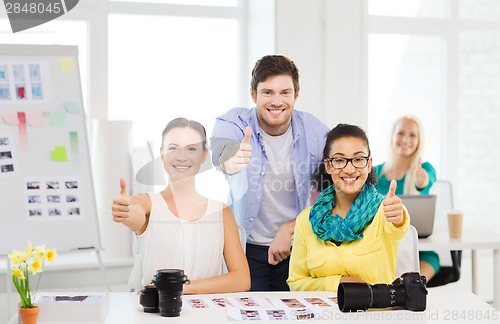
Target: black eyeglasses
[[359, 162]]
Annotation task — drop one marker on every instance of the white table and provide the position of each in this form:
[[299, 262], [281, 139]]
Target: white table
[[443, 306], [474, 240]]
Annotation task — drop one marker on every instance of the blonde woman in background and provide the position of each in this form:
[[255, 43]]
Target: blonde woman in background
[[413, 177]]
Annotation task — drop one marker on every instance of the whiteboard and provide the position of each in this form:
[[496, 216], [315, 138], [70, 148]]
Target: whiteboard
[[46, 188]]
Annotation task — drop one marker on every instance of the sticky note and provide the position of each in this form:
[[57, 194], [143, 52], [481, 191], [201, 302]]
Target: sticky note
[[59, 154], [10, 118], [73, 144], [35, 119], [21, 93], [46, 118], [58, 119], [66, 64]]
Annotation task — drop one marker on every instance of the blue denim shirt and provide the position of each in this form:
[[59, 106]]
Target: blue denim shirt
[[245, 187]]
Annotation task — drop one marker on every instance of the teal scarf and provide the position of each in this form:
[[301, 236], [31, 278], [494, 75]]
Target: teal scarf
[[329, 227]]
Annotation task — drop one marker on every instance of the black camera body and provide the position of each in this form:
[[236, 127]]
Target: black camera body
[[409, 291]]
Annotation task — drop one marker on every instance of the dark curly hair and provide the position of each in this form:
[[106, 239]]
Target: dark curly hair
[[322, 179]]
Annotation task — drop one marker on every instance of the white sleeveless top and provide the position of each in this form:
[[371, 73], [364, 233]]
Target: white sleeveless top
[[171, 243]]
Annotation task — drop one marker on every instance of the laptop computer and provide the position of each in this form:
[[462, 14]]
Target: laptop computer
[[422, 209]]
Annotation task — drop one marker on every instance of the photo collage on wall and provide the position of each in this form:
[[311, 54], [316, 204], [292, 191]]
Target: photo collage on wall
[[21, 82], [8, 166], [53, 198]]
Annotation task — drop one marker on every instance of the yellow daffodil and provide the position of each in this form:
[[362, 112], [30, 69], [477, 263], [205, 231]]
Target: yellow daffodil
[[29, 248], [18, 257], [40, 251], [50, 254], [23, 262], [35, 266], [17, 272]]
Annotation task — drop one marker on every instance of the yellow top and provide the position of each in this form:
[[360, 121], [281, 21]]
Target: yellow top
[[319, 265]]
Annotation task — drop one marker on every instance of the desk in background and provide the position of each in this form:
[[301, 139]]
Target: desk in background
[[443, 306], [474, 240]]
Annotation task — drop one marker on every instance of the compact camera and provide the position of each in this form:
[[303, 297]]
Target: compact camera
[[409, 291]]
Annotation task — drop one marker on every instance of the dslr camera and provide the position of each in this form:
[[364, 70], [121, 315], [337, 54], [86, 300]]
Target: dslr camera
[[409, 291]]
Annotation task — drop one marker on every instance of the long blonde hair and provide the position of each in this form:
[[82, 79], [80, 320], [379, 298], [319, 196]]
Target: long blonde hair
[[410, 181]]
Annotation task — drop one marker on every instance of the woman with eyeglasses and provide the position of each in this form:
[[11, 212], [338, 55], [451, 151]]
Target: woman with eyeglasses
[[412, 176], [351, 233], [178, 228]]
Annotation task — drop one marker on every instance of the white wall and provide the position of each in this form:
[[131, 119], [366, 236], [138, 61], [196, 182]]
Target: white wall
[[323, 37]]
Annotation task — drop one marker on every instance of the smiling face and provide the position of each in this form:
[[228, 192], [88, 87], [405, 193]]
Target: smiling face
[[405, 138], [183, 152], [275, 98], [348, 180]]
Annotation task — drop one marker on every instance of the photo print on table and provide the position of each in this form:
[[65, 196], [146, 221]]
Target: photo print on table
[[317, 301], [276, 315], [250, 315], [221, 302], [196, 303], [247, 302], [292, 302]]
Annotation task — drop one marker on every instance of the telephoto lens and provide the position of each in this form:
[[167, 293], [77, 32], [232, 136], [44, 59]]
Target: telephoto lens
[[409, 291], [149, 299], [169, 283], [361, 296]]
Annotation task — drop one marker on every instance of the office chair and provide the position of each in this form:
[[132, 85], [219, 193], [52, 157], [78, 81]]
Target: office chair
[[408, 260], [447, 274]]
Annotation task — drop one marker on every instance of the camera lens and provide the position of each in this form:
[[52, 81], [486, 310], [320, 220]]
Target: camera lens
[[361, 296], [169, 283], [354, 296], [388, 296], [149, 299]]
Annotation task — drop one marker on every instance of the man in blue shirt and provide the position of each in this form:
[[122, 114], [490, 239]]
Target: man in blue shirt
[[269, 154]]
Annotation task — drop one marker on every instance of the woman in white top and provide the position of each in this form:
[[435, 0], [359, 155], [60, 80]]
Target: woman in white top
[[179, 228]]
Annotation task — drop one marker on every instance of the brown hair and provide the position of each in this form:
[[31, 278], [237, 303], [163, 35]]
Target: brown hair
[[184, 122], [272, 65]]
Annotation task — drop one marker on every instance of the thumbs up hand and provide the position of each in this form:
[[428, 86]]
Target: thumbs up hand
[[131, 211], [121, 204], [241, 158], [393, 207], [421, 176]]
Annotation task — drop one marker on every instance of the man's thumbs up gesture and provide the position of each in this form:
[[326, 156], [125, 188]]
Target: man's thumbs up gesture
[[393, 207], [239, 160]]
